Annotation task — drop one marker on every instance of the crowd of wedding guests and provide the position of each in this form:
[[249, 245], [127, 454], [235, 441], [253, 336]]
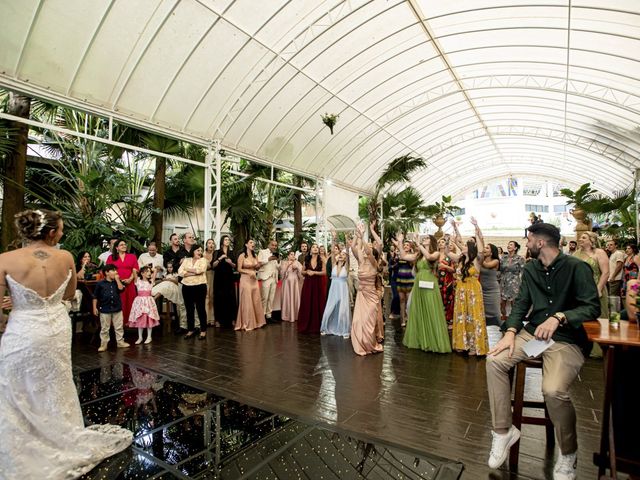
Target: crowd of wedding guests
[[447, 293]]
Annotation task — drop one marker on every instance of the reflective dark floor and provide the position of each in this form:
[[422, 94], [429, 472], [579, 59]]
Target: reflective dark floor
[[184, 432], [204, 411]]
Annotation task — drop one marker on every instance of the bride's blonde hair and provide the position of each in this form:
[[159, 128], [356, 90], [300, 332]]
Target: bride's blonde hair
[[36, 224]]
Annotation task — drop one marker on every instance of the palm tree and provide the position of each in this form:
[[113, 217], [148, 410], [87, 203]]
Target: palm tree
[[398, 171], [15, 165], [163, 145]]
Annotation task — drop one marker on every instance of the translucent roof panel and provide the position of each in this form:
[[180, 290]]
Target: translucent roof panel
[[479, 88]]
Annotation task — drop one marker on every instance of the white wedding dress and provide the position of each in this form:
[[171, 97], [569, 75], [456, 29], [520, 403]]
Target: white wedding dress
[[42, 433]]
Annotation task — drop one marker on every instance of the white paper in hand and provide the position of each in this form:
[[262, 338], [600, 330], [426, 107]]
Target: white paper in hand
[[534, 348]]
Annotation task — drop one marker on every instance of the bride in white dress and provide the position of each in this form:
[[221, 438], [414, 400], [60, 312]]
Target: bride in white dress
[[42, 433]]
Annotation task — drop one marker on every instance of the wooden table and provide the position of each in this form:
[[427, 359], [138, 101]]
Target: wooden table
[[613, 341]]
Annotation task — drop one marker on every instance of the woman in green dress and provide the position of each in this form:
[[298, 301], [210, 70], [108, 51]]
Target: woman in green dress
[[589, 251], [426, 326]]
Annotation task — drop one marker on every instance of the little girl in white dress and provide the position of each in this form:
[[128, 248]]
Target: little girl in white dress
[[144, 312]]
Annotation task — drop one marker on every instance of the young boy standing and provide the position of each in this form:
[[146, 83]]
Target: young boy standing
[[106, 303]]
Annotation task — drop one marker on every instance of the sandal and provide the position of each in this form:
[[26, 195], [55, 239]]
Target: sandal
[[189, 335], [202, 336]]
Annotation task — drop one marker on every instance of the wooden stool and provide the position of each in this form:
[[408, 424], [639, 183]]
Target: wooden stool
[[519, 403]]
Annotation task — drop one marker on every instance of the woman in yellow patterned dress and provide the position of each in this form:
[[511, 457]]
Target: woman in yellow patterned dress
[[469, 332]]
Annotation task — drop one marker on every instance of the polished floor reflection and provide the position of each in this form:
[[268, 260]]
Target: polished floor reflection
[[420, 405], [181, 431]]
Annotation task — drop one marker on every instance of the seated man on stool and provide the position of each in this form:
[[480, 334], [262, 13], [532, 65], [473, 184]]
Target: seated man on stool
[[561, 294]]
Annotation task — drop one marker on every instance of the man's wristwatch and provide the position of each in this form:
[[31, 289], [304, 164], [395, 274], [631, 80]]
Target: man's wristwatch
[[561, 317]]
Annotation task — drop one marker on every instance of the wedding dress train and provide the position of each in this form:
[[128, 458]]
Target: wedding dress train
[[42, 432]]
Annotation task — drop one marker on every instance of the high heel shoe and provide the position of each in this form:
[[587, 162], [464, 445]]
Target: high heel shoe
[[202, 336], [189, 335]]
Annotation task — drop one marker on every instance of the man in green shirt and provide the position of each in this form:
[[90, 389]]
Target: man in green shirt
[[557, 294]]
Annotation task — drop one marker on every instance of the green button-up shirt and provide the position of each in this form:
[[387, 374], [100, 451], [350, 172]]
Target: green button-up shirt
[[565, 286]]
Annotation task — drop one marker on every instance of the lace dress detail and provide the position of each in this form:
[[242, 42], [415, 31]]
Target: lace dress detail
[[42, 432]]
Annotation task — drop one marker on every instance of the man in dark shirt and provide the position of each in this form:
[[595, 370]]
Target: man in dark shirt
[[557, 294], [108, 306], [173, 254]]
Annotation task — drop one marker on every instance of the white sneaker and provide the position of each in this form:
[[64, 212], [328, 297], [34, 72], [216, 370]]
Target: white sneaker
[[500, 446], [103, 348], [565, 468]]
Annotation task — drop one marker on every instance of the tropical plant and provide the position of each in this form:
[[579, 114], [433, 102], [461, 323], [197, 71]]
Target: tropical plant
[[14, 137], [442, 208], [398, 171], [582, 198], [619, 215]]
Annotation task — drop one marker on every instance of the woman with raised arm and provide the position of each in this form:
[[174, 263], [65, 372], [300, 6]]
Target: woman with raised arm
[[365, 327], [42, 432], [404, 279], [489, 272], [589, 251], [469, 332], [427, 327], [336, 319], [446, 280], [250, 311]]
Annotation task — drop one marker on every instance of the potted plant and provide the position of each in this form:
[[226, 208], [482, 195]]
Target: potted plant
[[330, 119], [439, 211], [584, 202]]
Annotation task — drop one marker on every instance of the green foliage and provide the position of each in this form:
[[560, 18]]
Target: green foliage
[[399, 171], [442, 208], [584, 198]]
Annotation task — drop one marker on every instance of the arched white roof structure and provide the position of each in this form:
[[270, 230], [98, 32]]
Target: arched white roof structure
[[479, 88]]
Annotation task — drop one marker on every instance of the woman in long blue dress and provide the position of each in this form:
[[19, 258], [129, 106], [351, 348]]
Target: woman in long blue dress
[[336, 319], [427, 326]]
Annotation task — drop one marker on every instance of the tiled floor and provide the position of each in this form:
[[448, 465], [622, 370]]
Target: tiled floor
[[413, 403], [184, 432]]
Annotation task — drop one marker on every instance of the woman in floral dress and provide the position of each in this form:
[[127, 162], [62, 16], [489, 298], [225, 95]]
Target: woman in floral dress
[[469, 325], [511, 266], [630, 271], [446, 281]]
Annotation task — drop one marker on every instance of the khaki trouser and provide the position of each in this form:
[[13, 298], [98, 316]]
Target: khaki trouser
[[561, 365], [106, 319], [269, 286], [353, 283]]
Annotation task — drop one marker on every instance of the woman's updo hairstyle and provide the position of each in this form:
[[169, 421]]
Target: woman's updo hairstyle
[[37, 224]]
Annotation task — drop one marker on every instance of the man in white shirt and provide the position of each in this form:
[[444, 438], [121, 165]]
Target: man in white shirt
[[616, 264], [153, 258], [268, 274], [104, 256]]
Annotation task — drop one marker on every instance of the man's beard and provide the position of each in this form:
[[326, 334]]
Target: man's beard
[[534, 252]]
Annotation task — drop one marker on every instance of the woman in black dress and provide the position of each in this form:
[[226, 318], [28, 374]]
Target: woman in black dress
[[225, 306]]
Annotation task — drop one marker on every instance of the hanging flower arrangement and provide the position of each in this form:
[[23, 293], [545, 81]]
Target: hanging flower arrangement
[[330, 119]]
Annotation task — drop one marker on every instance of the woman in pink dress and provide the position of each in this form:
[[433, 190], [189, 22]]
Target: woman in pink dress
[[127, 265], [291, 274], [250, 311], [144, 312], [365, 326]]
